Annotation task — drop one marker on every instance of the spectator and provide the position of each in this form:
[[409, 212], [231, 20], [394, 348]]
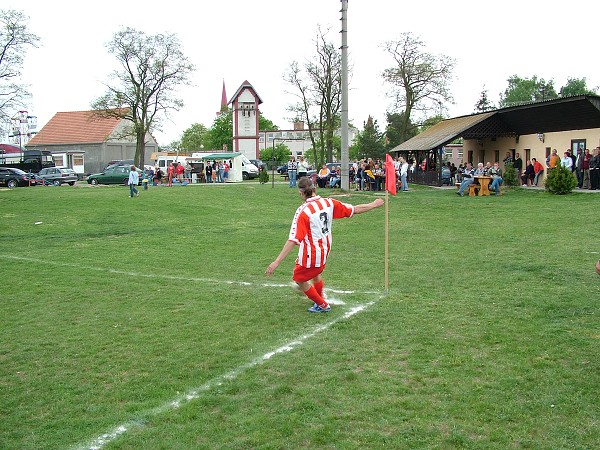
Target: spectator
[[187, 173], [170, 174], [322, 176], [508, 159], [496, 173], [538, 170], [467, 178], [553, 160], [292, 171], [179, 170], [579, 168], [528, 175], [586, 168], [566, 161], [225, 171], [134, 179], [335, 177], [595, 170], [158, 174], [518, 165], [209, 172], [403, 175], [302, 167]]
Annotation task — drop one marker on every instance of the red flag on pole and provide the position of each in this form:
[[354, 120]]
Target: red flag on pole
[[390, 175]]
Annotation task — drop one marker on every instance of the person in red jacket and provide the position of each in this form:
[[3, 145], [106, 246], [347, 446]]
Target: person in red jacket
[[538, 169], [170, 174]]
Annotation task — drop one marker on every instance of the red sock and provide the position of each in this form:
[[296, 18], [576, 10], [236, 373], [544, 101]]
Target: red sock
[[315, 297], [319, 285]]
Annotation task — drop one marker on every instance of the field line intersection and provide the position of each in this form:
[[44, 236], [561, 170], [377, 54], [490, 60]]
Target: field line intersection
[[333, 296]]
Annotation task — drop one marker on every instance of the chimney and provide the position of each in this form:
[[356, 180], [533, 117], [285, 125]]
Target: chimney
[[298, 125]]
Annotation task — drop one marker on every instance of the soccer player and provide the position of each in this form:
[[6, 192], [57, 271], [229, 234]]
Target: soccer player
[[311, 231]]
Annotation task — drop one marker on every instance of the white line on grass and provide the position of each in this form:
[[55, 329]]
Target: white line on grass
[[163, 276], [100, 441]]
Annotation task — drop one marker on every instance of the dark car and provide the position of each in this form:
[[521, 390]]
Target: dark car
[[282, 169], [119, 162], [258, 163], [58, 176], [12, 178], [112, 175]]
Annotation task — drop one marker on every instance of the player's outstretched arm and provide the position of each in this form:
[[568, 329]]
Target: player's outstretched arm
[[287, 248], [359, 209]]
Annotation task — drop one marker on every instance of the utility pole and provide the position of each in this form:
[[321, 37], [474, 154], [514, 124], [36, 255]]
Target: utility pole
[[345, 183]]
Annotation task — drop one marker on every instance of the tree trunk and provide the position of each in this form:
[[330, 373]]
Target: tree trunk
[[140, 150]]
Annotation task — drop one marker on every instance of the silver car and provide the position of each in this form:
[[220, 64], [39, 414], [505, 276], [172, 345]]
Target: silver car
[[56, 176]]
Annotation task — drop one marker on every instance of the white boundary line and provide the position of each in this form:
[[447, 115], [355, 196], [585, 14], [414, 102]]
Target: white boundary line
[[166, 277], [183, 399]]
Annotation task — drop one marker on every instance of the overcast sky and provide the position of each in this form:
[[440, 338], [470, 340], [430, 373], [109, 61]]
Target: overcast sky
[[237, 40]]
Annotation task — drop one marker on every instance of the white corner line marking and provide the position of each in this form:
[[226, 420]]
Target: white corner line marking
[[192, 394]]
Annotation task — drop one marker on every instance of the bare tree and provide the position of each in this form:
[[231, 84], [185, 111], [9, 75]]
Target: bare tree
[[318, 89], [14, 42], [419, 80], [152, 67]]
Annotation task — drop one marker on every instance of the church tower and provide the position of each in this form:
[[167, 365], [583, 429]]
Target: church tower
[[245, 103]]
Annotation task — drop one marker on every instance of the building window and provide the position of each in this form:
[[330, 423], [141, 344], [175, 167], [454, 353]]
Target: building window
[[59, 160], [77, 160]]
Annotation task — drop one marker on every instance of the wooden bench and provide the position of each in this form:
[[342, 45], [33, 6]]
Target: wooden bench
[[473, 188]]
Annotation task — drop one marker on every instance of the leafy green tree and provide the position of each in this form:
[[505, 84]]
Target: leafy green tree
[[560, 180], [193, 138], [576, 86], [15, 39], [266, 124], [510, 176], [220, 133], [395, 132], [484, 104], [317, 85], [420, 81], [524, 90], [282, 154], [152, 67], [370, 142]]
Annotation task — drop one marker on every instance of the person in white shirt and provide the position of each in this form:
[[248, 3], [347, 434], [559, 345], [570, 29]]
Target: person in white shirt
[[134, 179], [566, 161]]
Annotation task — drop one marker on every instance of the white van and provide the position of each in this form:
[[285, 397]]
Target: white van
[[249, 170], [163, 161]]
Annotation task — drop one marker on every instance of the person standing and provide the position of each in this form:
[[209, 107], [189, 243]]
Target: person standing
[[579, 168], [302, 167], [595, 170], [292, 170], [180, 170], [538, 170], [158, 176], [404, 174], [518, 165], [566, 161], [311, 232], [586, 168], [134, 179], [209, 172], [170, 174], [508, 159]]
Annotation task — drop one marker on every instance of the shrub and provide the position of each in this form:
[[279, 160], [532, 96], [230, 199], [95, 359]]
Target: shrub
[[263, 176], [560, 180], [510, 177]]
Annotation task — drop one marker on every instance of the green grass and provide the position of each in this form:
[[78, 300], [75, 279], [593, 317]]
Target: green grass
[[113, 308]]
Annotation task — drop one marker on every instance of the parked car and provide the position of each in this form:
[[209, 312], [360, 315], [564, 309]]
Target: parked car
[[112, 175], [11, 177], [258, 163], [58, 176], [282, 169], [119, 162]]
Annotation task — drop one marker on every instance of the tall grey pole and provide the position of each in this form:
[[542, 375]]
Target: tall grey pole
[[345, 184]]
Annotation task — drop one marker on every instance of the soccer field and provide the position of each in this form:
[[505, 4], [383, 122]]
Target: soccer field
[[149, 323]]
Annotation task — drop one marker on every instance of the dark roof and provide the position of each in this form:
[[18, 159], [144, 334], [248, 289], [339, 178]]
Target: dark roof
[[561, 114], [245, 85]]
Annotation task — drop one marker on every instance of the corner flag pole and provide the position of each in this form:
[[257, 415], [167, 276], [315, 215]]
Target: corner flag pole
[[386, 239]]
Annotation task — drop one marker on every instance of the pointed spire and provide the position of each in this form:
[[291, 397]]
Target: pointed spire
[[224, 102]]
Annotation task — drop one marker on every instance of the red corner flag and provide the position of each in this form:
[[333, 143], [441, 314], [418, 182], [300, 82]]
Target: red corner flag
[[390, 175]]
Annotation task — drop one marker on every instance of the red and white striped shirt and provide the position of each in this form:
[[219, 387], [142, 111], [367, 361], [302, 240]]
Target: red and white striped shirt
[[311, 228]]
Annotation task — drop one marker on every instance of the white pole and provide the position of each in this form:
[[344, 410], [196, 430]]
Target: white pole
[[345, 183]]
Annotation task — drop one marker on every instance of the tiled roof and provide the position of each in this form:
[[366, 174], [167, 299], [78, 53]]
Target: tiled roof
[[75, 127]]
